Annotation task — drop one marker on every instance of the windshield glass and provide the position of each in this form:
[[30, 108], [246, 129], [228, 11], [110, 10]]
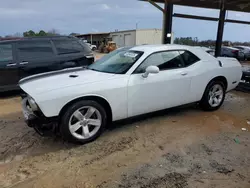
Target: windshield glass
[[117, 62]]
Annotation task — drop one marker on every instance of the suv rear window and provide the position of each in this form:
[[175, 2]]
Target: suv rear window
[[68, 46], [86, 47], [34, 49]]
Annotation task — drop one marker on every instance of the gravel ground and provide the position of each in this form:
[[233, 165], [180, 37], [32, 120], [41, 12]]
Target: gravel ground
[[176, 148]]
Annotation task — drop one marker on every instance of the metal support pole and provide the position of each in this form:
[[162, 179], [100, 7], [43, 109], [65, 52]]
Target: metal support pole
[[164, 24], [220, 29], [167, 23]]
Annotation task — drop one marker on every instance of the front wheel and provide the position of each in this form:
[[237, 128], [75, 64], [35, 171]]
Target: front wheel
[[83, 121], [213, 96]]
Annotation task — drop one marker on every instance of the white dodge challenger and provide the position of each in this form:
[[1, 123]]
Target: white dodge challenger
[[79, 103]]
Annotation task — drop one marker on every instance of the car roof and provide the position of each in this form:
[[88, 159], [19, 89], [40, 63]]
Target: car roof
[[242, 47], [149, 49], [229, 47], [160, 47], [35, 38]]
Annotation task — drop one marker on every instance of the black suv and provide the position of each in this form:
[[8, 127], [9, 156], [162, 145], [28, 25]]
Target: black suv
[[28, 56]]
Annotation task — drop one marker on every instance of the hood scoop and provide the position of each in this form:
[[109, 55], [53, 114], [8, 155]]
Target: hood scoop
[[73, 76]]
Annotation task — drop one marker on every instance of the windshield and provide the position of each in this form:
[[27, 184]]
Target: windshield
[[117, 62]]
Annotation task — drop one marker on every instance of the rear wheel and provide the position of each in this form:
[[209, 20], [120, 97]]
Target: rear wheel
[[213, 96], [83, 122]]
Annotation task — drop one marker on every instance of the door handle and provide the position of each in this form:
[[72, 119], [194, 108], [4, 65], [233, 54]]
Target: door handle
[[24, 63], [11, 64], [184, 73]]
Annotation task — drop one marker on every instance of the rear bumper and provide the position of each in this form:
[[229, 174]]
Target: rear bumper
[[38, 121]]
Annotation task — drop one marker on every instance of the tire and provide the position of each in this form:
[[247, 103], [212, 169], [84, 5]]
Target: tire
[[209, 97], [76, 127], [94, 48]]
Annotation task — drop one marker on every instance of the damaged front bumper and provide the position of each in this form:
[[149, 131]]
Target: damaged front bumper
[[43, 125]]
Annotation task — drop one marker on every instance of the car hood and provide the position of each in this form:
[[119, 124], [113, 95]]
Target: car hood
[[51, 81]]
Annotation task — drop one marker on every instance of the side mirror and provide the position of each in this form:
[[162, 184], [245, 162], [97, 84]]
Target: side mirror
[[151, 70]]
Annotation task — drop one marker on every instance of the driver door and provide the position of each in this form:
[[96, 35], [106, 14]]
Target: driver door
[[169, 88]]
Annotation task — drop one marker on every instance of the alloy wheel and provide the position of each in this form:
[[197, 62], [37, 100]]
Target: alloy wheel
[[85, 122], [215, 95]]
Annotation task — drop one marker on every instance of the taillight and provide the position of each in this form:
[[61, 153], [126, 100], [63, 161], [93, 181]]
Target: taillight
[[235, 51]]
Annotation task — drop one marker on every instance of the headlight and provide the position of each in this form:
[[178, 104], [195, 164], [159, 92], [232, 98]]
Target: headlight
[[32, 104]]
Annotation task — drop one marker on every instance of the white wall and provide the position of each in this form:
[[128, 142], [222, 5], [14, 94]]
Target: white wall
[[124, 38], [148, 36]]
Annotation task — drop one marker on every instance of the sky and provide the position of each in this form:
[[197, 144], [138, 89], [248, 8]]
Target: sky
[[85, 16]]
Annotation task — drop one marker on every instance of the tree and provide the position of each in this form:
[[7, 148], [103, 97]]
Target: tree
[[29, 33], [74, 34], [208, 43], [187, 41], [42, 33]]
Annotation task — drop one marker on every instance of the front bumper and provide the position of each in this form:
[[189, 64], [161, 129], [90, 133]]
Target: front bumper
[[43, 126]]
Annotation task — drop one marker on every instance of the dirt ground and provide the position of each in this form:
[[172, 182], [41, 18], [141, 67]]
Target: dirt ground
[[176, 148]]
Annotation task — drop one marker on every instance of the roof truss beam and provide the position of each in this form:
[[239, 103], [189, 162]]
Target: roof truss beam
[[208, 18], [157, 6], [195, 17]]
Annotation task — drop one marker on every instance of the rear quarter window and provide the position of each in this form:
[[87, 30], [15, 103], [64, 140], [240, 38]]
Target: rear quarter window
[[68, 46], [189, 58]]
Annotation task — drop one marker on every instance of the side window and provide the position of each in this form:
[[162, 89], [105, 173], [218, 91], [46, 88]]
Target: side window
[[163, 60], [189, 58], [68, 46], [34, 49], [6, 52]]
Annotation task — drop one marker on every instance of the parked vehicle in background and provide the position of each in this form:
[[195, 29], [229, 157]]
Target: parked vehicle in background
[[227, 51], [126, 83], [245, 50], [208, 50], [28, 56], [246, 73], [92, 47]]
